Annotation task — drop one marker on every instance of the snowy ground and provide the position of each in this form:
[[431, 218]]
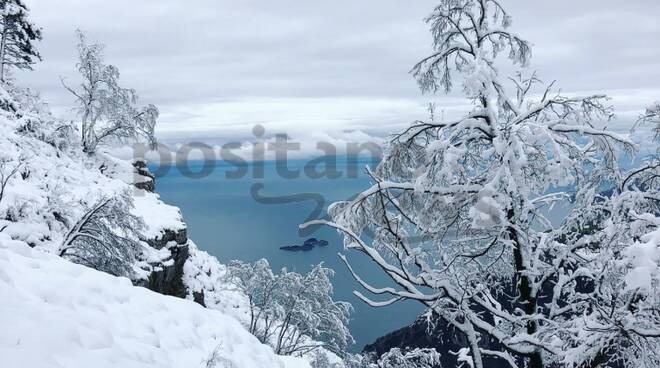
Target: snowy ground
[[59, 314], [54, 313]]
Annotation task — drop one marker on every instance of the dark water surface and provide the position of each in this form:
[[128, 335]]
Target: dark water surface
[[225, 220]]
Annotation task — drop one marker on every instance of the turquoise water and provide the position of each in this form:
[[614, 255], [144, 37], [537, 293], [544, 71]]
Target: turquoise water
[[224, 219]]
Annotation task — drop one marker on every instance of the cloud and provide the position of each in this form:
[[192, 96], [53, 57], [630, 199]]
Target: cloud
[[217, 67]]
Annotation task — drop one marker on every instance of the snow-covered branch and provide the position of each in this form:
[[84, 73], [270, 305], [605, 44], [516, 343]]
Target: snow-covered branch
[[105, 237], [459, 212], [6, 174]]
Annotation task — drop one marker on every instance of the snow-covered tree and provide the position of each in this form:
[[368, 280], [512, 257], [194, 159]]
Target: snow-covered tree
[[308, 311], [396, 358], [17, 39], [360, 360], [412, 358], [106, 237], [320, 360], [108, 112], [258, 282], [7, 172], [652, 116], [462, 214], [294, 313]]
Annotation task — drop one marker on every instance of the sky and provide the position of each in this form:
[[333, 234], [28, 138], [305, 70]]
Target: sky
[[327, 70]]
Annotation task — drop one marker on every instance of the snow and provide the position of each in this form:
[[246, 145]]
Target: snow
[[157, 215], [66, 182], [645, 259], [59, 314], [203, 273]]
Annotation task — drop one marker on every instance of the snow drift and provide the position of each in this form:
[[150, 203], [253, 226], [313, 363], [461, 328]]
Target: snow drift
[[59, 314]]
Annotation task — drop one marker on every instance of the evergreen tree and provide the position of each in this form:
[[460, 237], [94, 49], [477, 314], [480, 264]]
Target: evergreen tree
[[18, 35]]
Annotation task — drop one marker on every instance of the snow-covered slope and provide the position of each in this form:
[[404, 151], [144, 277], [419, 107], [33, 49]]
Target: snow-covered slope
[[55, 185], [58, 314], [54, 313]]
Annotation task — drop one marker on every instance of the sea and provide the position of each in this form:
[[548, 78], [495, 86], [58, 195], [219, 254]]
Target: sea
[[247, 212]]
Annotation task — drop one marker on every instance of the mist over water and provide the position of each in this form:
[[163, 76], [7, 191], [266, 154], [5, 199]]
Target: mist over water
[[225, 220]]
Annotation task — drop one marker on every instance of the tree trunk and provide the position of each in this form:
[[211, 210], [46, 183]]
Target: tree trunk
[[524, 288], [3, 45]]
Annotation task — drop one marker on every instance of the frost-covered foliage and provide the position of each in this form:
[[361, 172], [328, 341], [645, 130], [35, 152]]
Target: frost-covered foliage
[[414, 358], [106, 238], [258, 282], [107, 111], [652, 116], [320, 360], [396, 358], [514, 223], [309, 311], [37, 120], [294, 313], [17, 38], [205, 275], [360, 361]]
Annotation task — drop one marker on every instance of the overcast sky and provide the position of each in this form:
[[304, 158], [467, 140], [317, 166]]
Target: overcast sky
[[327, 68]]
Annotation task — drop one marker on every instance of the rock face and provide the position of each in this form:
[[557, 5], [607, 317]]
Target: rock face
[[198, 297], [167, 277], [178, 236], [144, 179]]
